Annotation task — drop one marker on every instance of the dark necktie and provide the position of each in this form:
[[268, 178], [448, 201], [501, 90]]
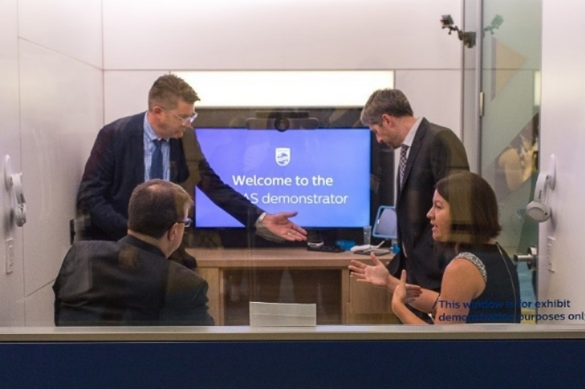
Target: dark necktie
[[156, 164], [402, 165]]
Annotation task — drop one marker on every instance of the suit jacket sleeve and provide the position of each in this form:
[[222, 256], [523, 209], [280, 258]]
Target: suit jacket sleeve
[[185, 299], [94, 196], [447, 155], [204, 177], [225, 196]]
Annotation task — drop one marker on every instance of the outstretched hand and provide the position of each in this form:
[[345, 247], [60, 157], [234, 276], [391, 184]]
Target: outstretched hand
[[405, 293], [377, 274], [279, 225]]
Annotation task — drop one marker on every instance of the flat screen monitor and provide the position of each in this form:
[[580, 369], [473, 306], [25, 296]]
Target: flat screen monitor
[[323, 173], [385, 225]]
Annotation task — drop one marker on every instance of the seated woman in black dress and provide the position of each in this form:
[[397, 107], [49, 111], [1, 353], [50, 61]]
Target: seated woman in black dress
[[480, 284]]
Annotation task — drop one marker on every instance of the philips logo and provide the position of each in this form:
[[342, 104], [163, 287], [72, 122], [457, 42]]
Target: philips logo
[[282, 156]]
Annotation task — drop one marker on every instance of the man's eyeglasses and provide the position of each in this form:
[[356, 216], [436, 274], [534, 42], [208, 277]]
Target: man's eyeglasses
[[187, 222], [184, 121]]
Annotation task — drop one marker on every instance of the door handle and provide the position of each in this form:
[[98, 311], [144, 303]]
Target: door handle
[[531, 257]]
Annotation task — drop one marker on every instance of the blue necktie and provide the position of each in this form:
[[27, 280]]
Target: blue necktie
[[156, 164]]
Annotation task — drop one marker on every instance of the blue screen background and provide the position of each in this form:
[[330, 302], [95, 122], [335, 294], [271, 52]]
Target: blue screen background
[[341, 156]]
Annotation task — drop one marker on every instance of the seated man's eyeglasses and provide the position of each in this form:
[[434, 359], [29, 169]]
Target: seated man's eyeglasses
[[187, 222]]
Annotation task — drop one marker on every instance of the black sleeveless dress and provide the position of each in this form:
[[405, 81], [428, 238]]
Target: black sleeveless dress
[[500, 300]]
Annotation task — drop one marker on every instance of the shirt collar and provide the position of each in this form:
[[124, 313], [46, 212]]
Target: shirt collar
[[412, 133], [148, 131], [134, 241]]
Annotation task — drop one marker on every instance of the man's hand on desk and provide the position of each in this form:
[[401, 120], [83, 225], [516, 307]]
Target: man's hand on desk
[[277, 227]]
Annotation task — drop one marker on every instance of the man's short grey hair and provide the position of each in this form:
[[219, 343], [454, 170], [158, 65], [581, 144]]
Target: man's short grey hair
[[385, 101]]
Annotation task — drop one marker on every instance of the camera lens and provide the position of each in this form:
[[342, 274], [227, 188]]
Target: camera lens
[[281, 124]]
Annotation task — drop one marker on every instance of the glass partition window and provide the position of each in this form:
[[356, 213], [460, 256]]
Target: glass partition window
[[278, 133], [510, 126], [298, 148]]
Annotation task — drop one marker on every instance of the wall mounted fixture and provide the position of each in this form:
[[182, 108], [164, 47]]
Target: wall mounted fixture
[[13, 182], [538, 209], [282, 120], [495, 24], [468, 38]]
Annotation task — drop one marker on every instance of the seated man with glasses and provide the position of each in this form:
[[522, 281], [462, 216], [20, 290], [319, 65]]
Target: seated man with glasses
[[150, 145], [131, 281]]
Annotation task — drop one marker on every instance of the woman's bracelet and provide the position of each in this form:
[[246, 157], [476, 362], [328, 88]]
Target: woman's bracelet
[[435, 304]]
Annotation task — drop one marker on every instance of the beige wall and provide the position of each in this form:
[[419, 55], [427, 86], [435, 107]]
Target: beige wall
[[52, 102], [11, 285], [563, 134], [67, 66]]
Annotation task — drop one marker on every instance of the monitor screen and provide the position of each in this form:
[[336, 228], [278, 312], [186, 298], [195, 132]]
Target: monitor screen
[[322, 173], [385, 225]]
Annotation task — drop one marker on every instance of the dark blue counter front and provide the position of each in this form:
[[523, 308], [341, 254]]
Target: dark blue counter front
[[529, 363]]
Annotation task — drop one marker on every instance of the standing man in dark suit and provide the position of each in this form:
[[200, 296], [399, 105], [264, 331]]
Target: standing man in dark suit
[[149, 145], [131, 281], [428, 152]]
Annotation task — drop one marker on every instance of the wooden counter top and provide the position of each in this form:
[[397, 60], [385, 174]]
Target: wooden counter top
[[274, 258]]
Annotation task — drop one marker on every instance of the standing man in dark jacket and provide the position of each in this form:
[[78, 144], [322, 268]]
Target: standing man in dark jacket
[[428, 153], [130, 151]]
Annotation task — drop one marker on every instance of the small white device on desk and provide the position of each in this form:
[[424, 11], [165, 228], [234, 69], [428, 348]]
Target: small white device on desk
[[385, 227]]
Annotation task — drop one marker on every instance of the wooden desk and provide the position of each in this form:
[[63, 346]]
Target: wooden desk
[[359, 303]]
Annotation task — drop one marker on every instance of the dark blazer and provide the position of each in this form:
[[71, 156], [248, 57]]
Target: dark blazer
[[116, 166], [128, 282], [435, 153]]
